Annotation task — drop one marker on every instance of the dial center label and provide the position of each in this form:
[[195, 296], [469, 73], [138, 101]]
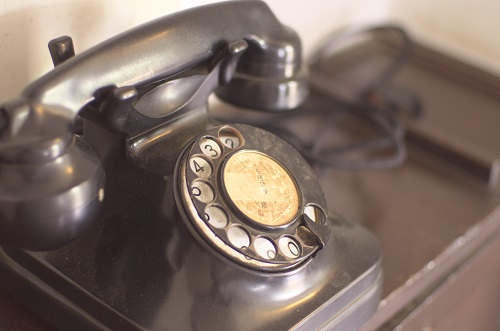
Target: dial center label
[[261, 188]]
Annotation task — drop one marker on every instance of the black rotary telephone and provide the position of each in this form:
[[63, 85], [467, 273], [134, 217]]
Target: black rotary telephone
[[125, 205]]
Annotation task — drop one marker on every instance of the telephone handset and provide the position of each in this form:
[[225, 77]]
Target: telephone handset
[[152, 215]]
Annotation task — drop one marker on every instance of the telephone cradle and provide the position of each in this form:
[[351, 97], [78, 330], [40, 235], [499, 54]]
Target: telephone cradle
[[125, 205]]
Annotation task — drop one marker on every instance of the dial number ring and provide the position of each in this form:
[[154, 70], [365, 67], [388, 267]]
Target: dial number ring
[[270, 245]]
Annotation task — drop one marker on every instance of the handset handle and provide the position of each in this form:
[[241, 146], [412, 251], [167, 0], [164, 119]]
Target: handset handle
[[169, 45]]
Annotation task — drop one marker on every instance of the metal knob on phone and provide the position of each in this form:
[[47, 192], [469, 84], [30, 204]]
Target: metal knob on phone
[[52, 182]]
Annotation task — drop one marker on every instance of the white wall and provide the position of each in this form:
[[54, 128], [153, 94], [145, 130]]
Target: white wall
[[468, 29], [464, 27]]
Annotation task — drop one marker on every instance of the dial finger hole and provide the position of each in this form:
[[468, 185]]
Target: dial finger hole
[[265, 248], [238, 237], [315, 214], [210, 148], [202, 191], [230, 137], [289, 247], [200, 166], [216, 217]]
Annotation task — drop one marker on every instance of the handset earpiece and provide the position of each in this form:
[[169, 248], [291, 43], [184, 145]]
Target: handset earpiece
[[270, 75]]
